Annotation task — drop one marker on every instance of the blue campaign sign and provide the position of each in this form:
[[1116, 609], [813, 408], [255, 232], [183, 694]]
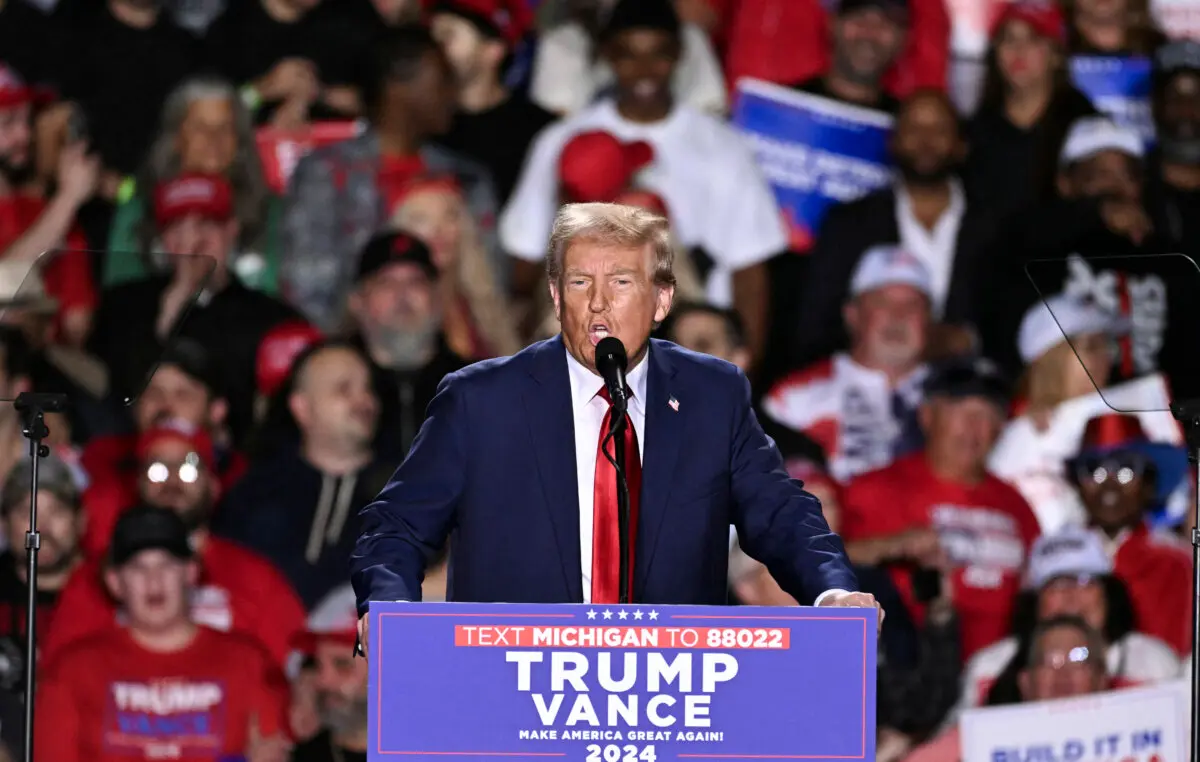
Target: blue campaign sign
[[1118, 87], [631, 683], [814, 152]]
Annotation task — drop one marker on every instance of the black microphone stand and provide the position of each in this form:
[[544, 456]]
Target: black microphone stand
[[33, 408], [1188, 415]]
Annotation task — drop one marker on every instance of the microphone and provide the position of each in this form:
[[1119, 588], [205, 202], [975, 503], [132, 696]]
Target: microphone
[[611, 361]]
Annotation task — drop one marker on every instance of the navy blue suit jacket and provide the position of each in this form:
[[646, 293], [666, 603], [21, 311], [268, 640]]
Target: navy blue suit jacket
[[493, 469]]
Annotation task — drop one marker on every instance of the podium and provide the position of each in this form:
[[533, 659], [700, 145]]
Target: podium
[[620, 683]]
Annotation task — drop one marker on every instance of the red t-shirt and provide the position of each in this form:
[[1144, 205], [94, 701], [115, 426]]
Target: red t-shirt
[[1156, 569], [238, 591], [108, 699], [986, 530], [68, 277]]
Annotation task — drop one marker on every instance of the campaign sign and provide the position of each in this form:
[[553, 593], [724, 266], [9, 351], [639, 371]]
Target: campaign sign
[[1119, 87], [1147, 724], [630, 683], [814, 152]]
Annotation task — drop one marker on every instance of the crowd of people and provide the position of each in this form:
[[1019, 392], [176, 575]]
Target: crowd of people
[[969, 367]]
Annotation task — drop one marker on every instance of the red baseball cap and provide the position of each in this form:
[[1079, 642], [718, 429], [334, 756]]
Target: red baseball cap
[[278, 350], [181, 431], [207, 195], [595, 166], [507, 20], [1045, 18], [14, 92]]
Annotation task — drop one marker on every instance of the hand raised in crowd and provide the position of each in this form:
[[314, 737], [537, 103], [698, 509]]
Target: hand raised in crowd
[[1127, 218], [920, 545], [303, 715], [274, 748], [78, 173], [291, 79]]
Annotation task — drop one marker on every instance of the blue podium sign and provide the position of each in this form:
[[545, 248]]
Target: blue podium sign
[[631, 683]]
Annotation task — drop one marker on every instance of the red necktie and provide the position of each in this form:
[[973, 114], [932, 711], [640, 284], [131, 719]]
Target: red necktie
[[606, 539]]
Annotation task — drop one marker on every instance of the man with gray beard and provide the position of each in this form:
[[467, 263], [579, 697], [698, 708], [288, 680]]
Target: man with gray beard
[[339, 680], [860, 405], [397, 315]]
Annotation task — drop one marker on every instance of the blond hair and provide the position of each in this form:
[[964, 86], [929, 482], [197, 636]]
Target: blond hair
[[611, 225], [474, 277]]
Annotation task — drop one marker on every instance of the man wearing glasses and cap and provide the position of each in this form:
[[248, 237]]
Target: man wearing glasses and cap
[[1123, 479], [939, 517]]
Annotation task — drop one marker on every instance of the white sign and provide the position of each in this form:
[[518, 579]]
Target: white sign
[[1129, 725]]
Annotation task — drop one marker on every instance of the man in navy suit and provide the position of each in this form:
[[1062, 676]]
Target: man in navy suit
[[507, 465]]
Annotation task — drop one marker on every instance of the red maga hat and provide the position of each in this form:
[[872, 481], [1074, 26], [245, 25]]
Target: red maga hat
[[1045, 18], [207, 195], [596, 166], [278, 350]]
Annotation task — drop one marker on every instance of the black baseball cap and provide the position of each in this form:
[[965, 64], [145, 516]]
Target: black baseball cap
[[148, 527], [968, 377], [896, 8], [394, 248]]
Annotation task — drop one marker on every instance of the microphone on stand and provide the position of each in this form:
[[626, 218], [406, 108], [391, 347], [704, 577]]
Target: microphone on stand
[[611, 361]]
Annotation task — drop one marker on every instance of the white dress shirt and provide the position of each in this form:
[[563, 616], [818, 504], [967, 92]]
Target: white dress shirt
[[588, 409], [935, 248]]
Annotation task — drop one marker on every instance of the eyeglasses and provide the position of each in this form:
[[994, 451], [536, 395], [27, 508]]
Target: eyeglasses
[[1076, 657], [1124, 468], [188, 470]]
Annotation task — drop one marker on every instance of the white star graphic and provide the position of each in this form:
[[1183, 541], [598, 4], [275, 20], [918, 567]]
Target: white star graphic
[[622, 614], [637, 614], [591, 615], [653, 615], [607, 614]]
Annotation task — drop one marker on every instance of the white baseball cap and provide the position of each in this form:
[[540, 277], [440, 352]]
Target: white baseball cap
[[1047, 324], [1071, 552], [1092, 134], [889, 265]]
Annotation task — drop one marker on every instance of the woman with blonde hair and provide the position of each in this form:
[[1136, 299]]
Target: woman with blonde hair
[[478, 322], [1068, 347]]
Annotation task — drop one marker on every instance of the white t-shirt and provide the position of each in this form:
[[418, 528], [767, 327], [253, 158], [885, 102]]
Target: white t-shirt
[[703, 169]]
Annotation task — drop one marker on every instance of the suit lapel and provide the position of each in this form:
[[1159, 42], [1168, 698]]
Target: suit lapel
[[664, 432], [548, 412]]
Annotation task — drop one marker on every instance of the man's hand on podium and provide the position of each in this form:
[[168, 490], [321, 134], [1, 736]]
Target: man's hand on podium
[[362, 635], [841, 599]]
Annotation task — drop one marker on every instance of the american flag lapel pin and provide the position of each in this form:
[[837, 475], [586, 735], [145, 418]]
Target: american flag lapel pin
[[674, 403]]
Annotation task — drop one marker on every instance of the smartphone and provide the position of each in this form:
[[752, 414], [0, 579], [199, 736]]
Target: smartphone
[[926, 584]]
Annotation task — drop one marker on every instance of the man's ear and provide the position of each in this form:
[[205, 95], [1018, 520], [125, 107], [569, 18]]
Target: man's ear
[[218, 411], [741, 358], [1063, 184], [850, 316], [925, 416], [555, 297], [1025, 684], [112, 583], [298, 407], [666, 298]]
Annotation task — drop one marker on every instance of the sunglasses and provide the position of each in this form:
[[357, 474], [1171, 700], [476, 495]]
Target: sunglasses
[[187, 470], [1121, 467]]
